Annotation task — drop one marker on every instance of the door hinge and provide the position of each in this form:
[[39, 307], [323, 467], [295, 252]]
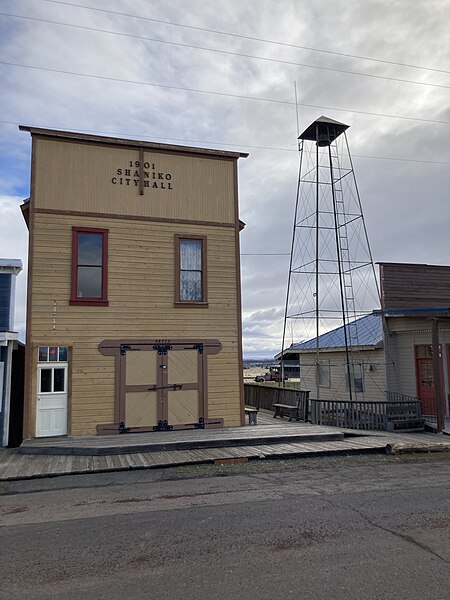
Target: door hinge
[[162, 348], [122, 428], [163, 426], [123, 349], [199, 347]]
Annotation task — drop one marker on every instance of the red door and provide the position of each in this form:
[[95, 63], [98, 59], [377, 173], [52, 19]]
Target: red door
[[426, 389]]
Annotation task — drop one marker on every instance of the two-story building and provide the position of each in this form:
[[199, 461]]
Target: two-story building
[[9, 270], [134, 308]]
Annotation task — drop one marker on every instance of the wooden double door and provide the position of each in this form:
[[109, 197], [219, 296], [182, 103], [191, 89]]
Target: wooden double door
[[161, 386]]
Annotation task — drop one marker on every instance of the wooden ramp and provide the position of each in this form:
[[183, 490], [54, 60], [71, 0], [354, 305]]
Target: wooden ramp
[[161, 441]]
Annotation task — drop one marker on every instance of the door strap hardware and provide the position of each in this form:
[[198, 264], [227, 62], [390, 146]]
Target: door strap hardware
[[199, 347], [124, 348], [122, 428], [163, 426], [174, 387], [162, 348], [200, 424]]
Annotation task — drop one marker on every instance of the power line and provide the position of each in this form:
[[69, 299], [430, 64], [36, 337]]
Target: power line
[[224, 94], [230, 53], [211, 143], [250, 38]]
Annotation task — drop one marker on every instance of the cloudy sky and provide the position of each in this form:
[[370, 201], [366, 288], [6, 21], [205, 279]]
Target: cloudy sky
[[221, 74]]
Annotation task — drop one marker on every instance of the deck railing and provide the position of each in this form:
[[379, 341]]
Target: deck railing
[[265, 396], [385, 415], [396, 412]]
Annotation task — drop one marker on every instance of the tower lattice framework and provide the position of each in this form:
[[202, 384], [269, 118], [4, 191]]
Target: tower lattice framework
[[332, 280]]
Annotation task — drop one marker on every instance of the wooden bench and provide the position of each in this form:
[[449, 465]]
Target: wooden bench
[[297, 411], [252, 413]]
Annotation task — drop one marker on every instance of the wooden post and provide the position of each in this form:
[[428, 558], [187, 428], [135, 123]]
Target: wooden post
[[141, 171], [437, 374]]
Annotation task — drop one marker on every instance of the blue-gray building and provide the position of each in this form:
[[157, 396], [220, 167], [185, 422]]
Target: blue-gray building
[[9, 269]]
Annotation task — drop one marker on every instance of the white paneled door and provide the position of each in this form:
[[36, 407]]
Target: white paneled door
[[52, 400]]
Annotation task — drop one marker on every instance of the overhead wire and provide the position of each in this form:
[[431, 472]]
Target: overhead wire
[[220, 143], [249, 38], [229, 52], [224, 94]]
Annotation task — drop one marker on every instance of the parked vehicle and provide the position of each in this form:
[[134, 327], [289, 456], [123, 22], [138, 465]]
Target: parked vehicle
[[273, 374]]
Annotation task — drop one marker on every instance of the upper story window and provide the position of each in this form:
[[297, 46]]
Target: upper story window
[[89, 266], [190, 271]]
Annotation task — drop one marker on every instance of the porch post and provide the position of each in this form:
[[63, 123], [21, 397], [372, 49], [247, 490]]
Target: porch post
[[437, 374]]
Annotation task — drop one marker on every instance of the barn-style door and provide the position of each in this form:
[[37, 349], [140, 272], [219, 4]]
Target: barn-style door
[[160, 385]]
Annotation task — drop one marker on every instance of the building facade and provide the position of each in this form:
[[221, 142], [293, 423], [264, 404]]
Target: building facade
[[415, 298], [133, 318], [9, 269]]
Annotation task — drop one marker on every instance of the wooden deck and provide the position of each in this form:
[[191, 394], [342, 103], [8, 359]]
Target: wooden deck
[[270, 431], [247, 446]]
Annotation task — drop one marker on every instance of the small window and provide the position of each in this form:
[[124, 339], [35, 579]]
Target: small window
[[190, 271], [89, 266], [356, 373], [52, 354], [52, 379], [324, 374]]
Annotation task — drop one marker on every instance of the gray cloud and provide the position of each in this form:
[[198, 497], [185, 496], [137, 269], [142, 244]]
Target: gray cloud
[[406, 204]]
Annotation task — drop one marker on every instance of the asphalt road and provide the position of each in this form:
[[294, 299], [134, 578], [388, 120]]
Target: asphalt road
[[374, 531]]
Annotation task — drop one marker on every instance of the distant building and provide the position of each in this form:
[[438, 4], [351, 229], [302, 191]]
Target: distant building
[[331, 377], [395, 350], [9, 269]]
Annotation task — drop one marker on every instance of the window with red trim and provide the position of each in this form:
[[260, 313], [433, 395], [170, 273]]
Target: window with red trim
[[89, 266]]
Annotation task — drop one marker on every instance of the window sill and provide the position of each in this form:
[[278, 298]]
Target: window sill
[[88, 302], [188, 304]]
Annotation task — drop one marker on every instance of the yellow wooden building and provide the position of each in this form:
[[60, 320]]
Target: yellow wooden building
[[134, 309]]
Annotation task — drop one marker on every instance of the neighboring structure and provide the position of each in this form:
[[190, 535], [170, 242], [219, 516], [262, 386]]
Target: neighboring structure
[[396, 353], [416, 301], [331, 376], [9, 269], [134, 287]]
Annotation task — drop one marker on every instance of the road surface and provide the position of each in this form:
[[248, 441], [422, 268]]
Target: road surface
[[358, 531]]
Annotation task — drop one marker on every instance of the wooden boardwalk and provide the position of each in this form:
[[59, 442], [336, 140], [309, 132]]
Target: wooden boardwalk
[[15, 465], [271, 432]]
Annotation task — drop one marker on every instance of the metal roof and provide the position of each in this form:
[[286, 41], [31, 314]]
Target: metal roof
[[323, 129], [369, 330]]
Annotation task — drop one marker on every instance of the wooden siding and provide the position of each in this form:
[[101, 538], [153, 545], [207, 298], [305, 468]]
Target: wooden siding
[[404, 334], [374, 380], [415, 286], [71, 176], [141, 295]]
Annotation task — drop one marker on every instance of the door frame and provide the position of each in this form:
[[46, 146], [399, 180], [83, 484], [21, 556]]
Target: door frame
[[118, 349], [417, 361], [52, 366]]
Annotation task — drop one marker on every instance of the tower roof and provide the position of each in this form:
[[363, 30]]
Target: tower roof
[[323, 130]]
